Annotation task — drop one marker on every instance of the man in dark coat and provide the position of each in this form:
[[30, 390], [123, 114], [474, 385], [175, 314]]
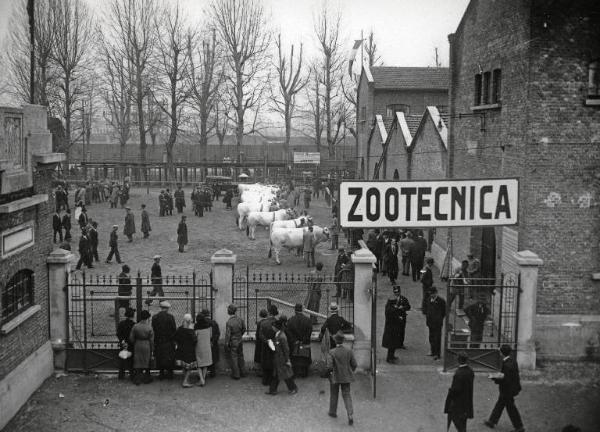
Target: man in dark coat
[[129, 228], [182, 235], [113, 244], [83, 218], [390, 260], [459, 402], [84, 251], [156, 278], [169, 198], [342, 364], [406, 244], [179, 199], [341, 261], [436, 311], [509, 386], [123, 331], [227, 199], [395, 323], [266, 332], [334, 323], [417, 256], [282, 364], [93, 236], [146, 228], [162, 203], [477, 314], [214, 342], [66, 224], [164, 328], [427, 283], [57, 226], [234, 330], [125, 288], [299, 330]]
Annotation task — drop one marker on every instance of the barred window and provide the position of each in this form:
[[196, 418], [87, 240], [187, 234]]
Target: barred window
[[16, 295]]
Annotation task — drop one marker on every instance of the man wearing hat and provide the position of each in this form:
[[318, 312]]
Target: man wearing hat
[[123, 332], [234, 330], [156, 276], [182, 234], [125, 289], [341, 364], [129, 229], [299, 330], [164, 327], [334, 323], [114, 248], [436, 311], [459, 402], [146, 228], [395, 323]]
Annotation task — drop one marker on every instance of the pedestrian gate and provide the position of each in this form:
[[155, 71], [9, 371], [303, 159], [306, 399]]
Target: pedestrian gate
[[482, 316], [93, 312]]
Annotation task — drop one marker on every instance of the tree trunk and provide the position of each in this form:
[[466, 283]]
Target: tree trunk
[[141, 124], [288, 132]]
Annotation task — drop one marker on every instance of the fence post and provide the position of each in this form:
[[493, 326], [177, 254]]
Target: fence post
[[59, 266], [222, 268], [363, 260], [529, 264]]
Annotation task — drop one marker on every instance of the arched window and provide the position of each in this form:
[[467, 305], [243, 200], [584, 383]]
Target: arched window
[[16, 295], [594, 79]]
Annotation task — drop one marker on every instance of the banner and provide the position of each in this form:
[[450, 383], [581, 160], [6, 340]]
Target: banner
[[425, 203], [307, 158]]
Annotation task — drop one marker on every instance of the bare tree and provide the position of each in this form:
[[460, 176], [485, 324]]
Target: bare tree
[[131, 24], [242, 29], [174, 69], [313, 114], [373, 56], [72, 49], [222, 119], [291, 82]]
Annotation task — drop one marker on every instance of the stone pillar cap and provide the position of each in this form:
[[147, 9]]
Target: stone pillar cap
[[223, 256], [528, 258], [59, 256], [363, 256]]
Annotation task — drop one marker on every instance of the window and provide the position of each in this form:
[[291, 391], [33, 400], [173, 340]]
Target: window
[[391, 110], [363, 114], [496, 86], [17, 295], [477, 90], [594, 80], [485, 91]]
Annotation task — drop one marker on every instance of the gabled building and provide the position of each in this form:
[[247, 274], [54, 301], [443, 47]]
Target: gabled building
[[384, 91]]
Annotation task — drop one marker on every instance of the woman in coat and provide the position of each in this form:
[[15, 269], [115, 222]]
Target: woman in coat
[[203, 331], [142, 339], [282, 363], [185, 353]]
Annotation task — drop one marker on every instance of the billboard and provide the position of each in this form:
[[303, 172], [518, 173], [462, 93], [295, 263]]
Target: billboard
[[429, 203], [307, 158]]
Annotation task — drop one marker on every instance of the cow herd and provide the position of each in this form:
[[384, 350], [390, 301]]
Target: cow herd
[[265, 205]]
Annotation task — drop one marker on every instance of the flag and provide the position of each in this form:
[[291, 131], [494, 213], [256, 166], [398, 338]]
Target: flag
[[352, 54]]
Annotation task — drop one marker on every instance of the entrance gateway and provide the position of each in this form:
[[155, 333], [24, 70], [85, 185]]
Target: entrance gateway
[[482, 203]]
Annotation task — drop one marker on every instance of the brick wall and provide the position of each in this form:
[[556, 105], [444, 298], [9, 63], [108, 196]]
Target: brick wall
[[34, 332], [398, 156], [418, 100], [428, 153]]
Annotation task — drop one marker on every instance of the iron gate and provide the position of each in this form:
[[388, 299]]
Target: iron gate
[[482, 315], [93, 312], [253, 291]]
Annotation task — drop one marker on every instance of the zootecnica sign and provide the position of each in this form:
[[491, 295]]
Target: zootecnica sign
[[430, 203]]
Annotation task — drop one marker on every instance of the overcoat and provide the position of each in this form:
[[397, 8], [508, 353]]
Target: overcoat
[[164, 328], [459, 402], [146, 222], [129, 228], [282, 356], [182, 236], [142, 338], [395, 321]]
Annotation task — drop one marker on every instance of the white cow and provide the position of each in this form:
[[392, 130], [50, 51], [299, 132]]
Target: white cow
[[244, 209], [292, 238], [294, 223], [265, 219]]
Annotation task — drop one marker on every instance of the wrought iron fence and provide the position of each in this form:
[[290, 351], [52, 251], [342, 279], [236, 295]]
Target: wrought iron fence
[[254, 291]]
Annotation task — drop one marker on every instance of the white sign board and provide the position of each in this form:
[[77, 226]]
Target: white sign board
[[424, 203], [307, 157]]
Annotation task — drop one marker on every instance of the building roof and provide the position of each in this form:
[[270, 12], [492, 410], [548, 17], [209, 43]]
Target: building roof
[[422, 78], [413, 122]]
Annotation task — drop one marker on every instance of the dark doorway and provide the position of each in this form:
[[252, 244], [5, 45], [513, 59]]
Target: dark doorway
[[488, 252]]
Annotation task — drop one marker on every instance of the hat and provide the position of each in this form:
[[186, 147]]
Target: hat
[[157, 257], [396, 289], [164, 304], [129, 312], [339, 337], [298, 307], [333, 307], [115, 226], [127, 208], [145, 314]]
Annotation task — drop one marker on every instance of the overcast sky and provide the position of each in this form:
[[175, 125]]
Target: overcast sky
[[407, 31]]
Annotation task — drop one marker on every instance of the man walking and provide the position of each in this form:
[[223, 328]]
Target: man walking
[[57, 225], [341, 364], [282, 364], [299, 329], [436, 311], [182, 235], [395, 324], [459, 402], [509, 386], [156, 277], [84, 251], [308, 246], [146, 228], [129, 229], [234, 330], [164, 328], [114, 248]]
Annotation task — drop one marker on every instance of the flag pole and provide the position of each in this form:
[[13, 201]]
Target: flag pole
[[362, 42]]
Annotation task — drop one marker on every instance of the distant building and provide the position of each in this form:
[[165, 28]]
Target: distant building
[[26, 205], [384, 91]]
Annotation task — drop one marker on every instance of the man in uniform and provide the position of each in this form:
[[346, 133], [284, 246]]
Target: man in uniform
[[129, 228], [436, 311], [234, 330], [182, 235], [179, 199], [299, 330], [164, 328], [156, 277], [334, 323], [395, 323], [114, 248], [459, 402]]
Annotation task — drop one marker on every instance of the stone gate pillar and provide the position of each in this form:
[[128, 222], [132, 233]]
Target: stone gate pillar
[[363, 260], [529, 264], [222, 268], [59, 266]]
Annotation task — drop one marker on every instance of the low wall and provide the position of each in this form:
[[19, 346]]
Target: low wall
[[568, 337], [21, 382]]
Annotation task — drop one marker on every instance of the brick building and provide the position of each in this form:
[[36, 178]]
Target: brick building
[[26, 205], [525, 102], [384, 91]]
